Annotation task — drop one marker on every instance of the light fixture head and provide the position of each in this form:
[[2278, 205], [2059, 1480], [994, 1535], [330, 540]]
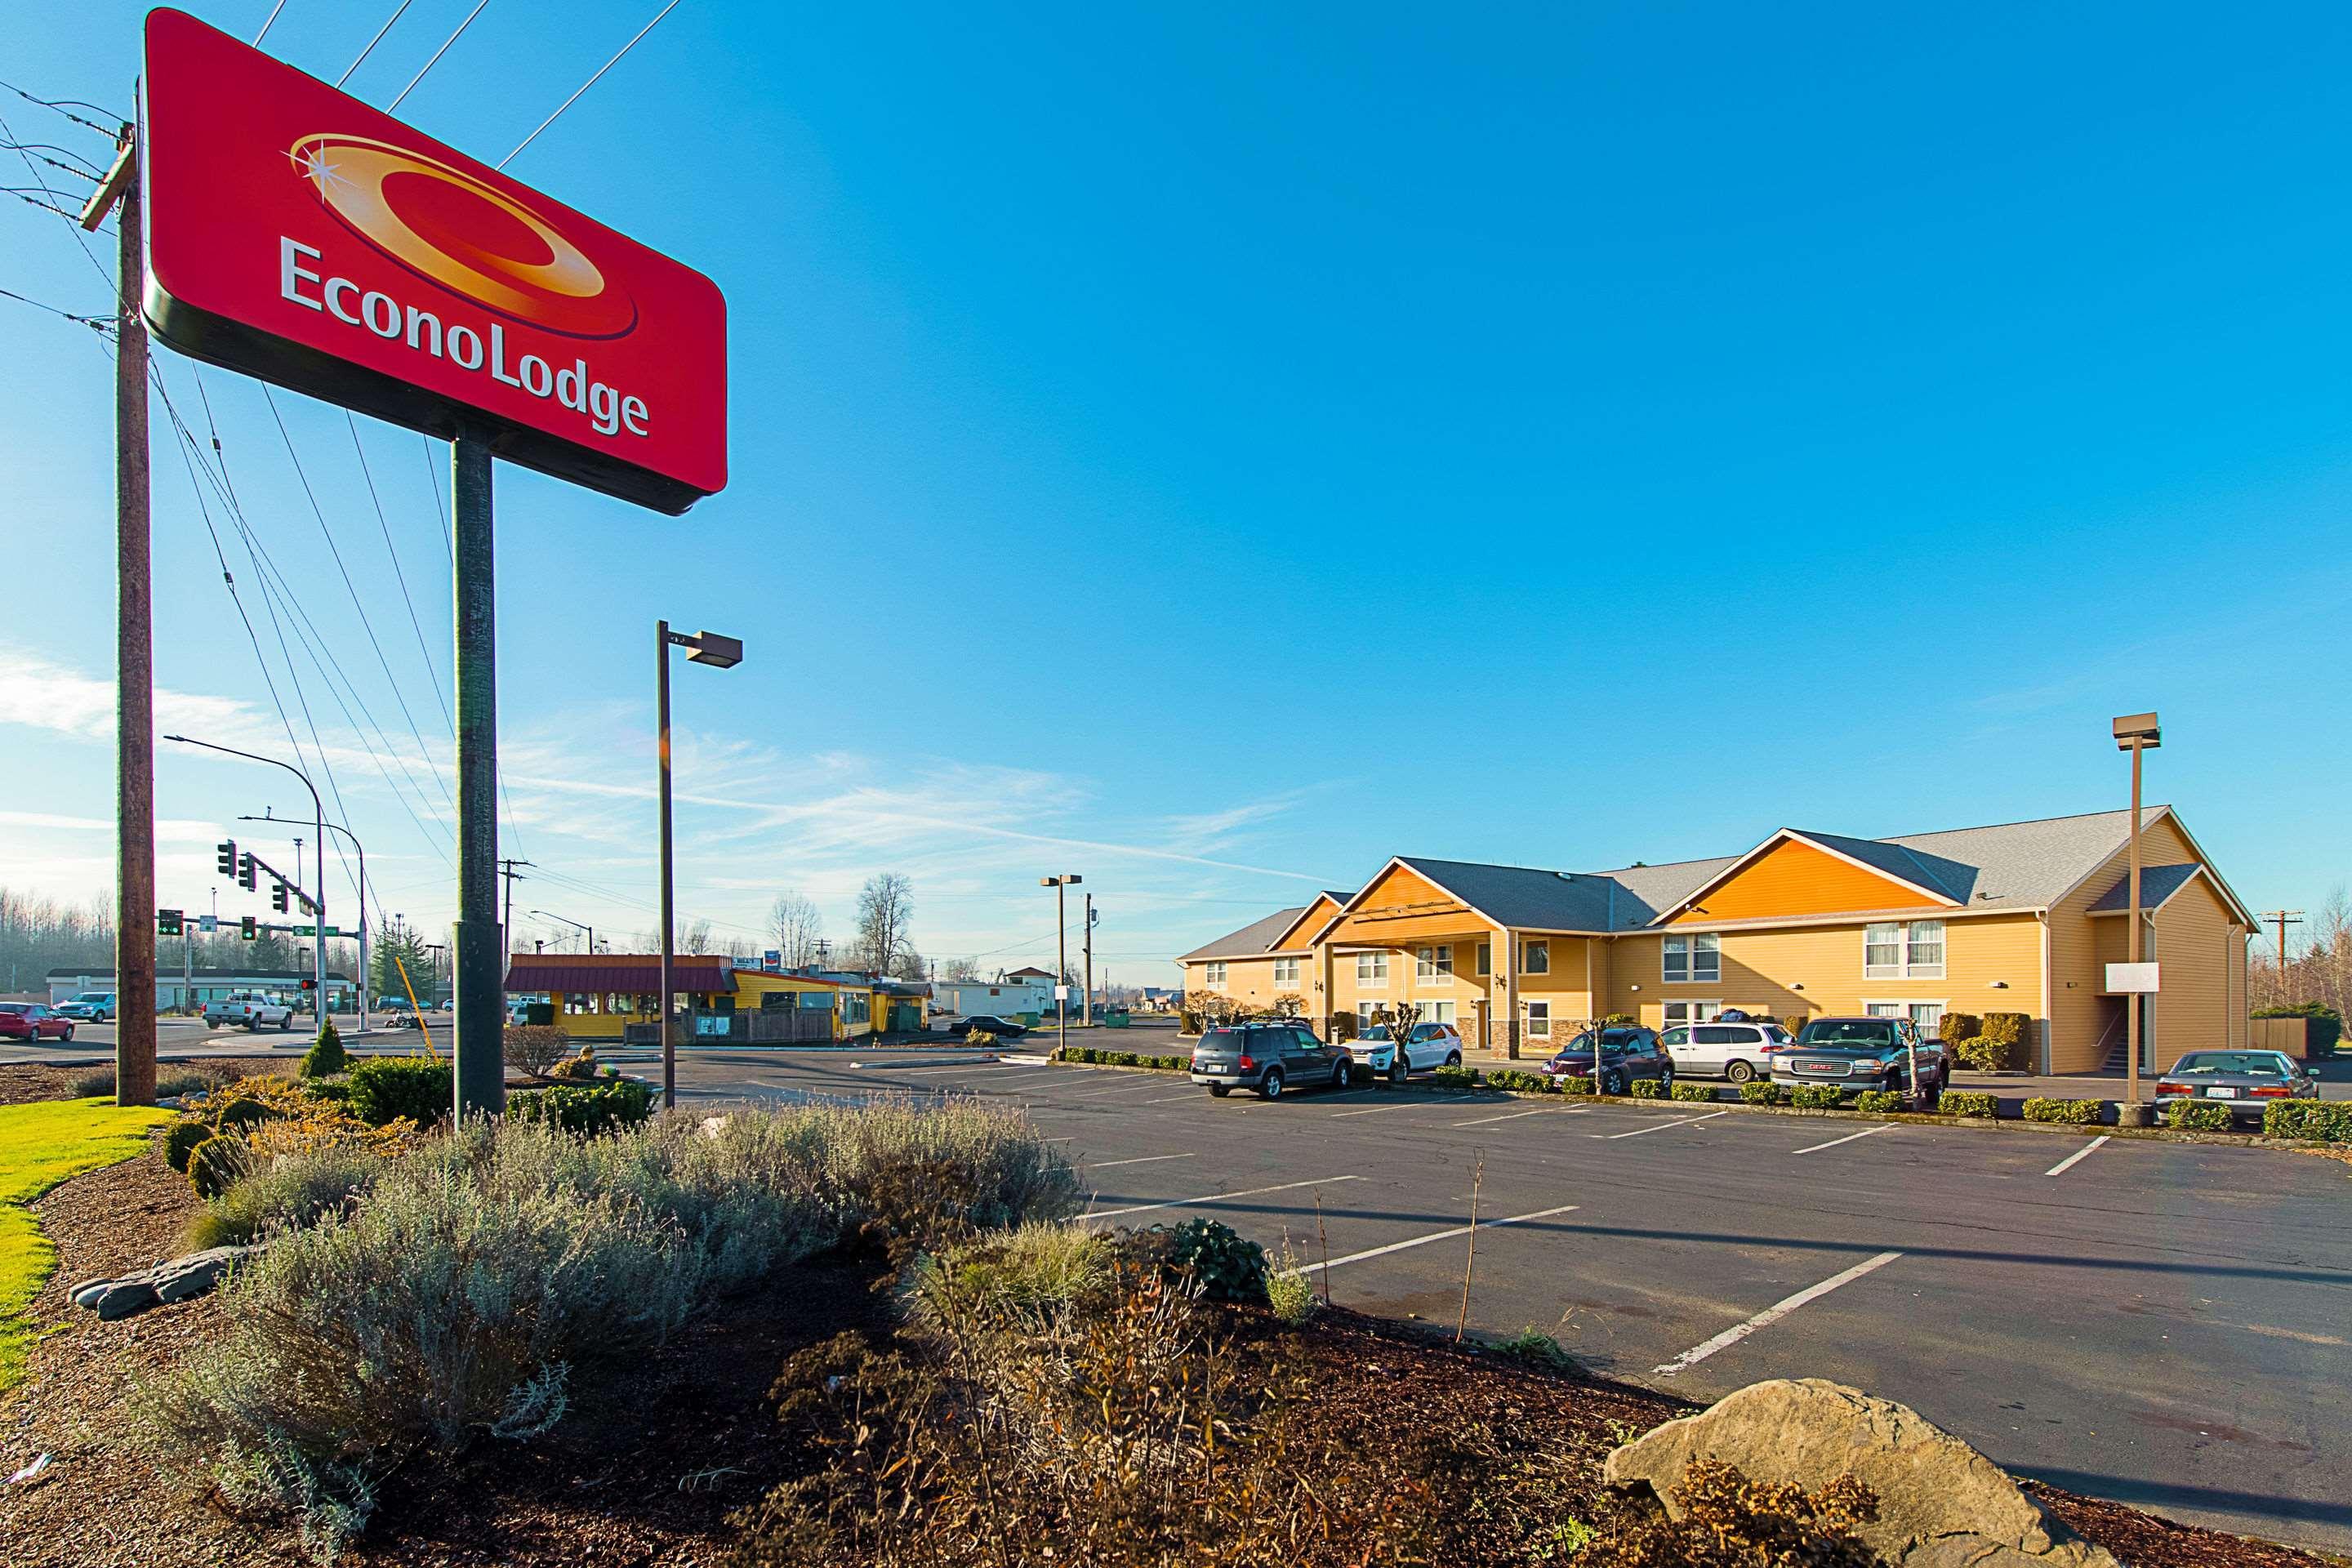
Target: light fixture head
[[713, 649], [2139, 730]]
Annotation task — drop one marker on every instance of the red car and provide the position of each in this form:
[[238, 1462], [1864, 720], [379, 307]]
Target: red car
[[32, 1021]]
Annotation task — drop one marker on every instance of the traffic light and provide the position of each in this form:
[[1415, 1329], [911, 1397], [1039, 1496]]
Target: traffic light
[[278, 898], [167, 923], [246, 929], [246, 876], [310, 983], [226, 858]]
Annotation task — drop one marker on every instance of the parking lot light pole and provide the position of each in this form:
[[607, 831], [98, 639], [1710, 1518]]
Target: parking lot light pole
[[319, 811], [575, 925], [2134, 733], [720, 653], [360, 850], [1061, 886]]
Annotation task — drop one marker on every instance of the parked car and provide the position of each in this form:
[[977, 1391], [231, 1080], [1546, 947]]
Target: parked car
[[1739, 1051], [253, 1009], [1426, 1045], [1002, 1028], [1626, 1054], [33, 1022], [1858, 1054], [1267, 1057], [90, 1007], [2244, 1080]]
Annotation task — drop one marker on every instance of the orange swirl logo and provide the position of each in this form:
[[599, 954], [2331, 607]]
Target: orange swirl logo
[[455, 230]]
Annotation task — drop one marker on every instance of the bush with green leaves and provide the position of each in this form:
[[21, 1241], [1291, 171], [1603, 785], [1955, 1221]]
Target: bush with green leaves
[[2072, 1112], [2319, 1120], [2198, 1116], [96, 1084], [1534, 1348], [1647, 1088], [326, 1057], [979, 1037], [1813, 1096], [1290, 1287], [217, 1164], [493, 1270], [1879, 1102], [1456, 1078], [1957, 1026], [1968, 1102], [1701, 1092], [383, 1088], [1218, 1261], [1032, 1277], [1575, 1083], [1982, 1053], [2014, 1032], [1763, 1091], [180, 1141], [587, 1109], [1519, 1081]]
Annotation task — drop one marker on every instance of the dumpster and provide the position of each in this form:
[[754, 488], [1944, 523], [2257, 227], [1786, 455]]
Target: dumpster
[[1112, 1017]]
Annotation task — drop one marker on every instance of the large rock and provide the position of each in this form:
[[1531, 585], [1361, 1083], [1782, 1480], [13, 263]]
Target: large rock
[[1941, 1504], [181, 1280]]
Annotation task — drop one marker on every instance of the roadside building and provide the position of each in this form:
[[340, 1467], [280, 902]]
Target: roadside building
[[2016, 918], [176, 989], [1006, 996], [608, 998]]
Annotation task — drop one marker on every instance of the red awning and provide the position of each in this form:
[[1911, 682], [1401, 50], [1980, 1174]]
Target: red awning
[[631, 974]]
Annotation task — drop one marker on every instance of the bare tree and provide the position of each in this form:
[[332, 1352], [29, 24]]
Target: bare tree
[[797, 926], [885, 912], [696, 937], [909, 966], [959, 969]]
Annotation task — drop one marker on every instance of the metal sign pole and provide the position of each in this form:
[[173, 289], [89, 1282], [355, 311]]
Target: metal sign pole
[[478, 969]]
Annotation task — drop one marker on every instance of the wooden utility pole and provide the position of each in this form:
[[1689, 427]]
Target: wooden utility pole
[[1086, 1003], [2282, 919], [135, 643]]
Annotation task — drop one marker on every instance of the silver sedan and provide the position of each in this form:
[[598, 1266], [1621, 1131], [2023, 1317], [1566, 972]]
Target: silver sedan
[[2246, 1081]]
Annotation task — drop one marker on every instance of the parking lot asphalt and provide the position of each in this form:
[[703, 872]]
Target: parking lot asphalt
[[2165, 1325]]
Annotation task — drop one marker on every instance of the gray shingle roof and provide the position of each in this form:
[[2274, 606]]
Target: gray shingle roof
[[2157, 884], [1251, 940]]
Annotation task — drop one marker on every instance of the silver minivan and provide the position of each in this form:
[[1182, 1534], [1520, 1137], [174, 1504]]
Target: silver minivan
[[1737, 1051]]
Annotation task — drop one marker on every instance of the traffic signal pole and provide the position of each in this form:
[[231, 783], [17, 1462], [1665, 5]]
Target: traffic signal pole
[[477, 973]]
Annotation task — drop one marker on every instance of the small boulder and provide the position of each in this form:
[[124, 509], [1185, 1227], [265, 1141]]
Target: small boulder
[[181, 1280], [124, 1299], [1941, 1504]]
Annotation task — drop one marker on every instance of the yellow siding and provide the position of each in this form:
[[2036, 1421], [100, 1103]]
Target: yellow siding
[[1247, 980], [2079, 1014], [1402, 906], [2194, 934]]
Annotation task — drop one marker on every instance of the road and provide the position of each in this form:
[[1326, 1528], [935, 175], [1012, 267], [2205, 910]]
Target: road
[[192, 1037], [2168, 1325]]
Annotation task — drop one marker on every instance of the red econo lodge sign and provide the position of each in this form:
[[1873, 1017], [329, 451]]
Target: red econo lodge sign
[[297, 235]]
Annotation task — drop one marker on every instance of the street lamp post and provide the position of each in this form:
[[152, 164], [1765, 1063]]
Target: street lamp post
[[2134, 733], [319, 904], [1061, 886], [720, 653], [575, 925], [362, 851]]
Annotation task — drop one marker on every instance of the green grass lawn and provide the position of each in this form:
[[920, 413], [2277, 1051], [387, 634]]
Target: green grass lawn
[[42, 1144]]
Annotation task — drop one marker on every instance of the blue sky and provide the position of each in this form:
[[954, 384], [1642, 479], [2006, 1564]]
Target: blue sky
[[1211, 451]]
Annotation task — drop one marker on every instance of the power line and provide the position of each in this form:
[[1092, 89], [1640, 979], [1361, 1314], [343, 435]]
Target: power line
[[437, 54], [398, 576], [371, 43], [59, 104], [103, 323], [8, 133], [591, 82]]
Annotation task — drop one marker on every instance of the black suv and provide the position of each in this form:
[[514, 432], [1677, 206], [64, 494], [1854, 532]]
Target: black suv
[[1267, 1057]]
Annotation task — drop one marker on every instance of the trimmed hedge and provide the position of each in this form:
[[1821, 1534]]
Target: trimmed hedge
[[2014, 1031], [1815, 1097], [2323, 1121], [1454, 1078], [1525, 1082], [1957, 1026], [587, 1110], [1967, 1103], [384, 1088], [2074, 1112], [1647, 1088], [1981, 1052], [1697, 1092], [1879, 1102], [181, 1142], [1569, 1083], [2198, 1116], [1764, 1091]]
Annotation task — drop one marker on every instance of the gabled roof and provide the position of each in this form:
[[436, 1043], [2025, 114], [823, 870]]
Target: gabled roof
[[1928, 876], [1278, 941], [1250, 941], [2156, 886]]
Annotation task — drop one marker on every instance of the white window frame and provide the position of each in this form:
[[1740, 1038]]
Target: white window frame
[[1904, 939], [1433, 963], [1908, 1007], [1282, 979], [1373, 971], [1537, 1016], [1535, 957], [1695, 1013], [1213, 976], [1691, 949]]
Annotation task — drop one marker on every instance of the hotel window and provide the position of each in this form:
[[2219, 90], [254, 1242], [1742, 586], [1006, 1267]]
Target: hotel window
[[1680, 1012], [1535, 958], [1694, 958], [1433, 963], [1893, 949], [1286, 971], [1216, 975], [1371, 969], [1486, 958], [1929, 1017], [1539, 1020]]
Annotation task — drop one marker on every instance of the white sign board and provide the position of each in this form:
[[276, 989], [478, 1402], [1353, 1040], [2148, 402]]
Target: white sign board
[[2134, 979], [1061, 993]]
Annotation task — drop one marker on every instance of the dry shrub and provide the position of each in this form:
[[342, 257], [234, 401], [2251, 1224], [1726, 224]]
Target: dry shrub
[[535, 1047], [1731, 1521]]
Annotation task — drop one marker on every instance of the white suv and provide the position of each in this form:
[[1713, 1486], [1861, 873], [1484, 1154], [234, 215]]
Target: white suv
[[1739, 1051], [1426, 1045]]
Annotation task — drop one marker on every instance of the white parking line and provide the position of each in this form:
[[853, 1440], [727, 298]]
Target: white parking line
[[1217, 1197], [1165, 1098], [1813, 1148], [925, 1072], [2060, 1168], [1434, 1236], [1376, 1110], [1513, 1116], [1769, 1316], [1660, 1127], [1141, 1160]]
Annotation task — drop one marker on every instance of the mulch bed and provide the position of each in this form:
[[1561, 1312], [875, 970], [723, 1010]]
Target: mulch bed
[[21, 1083], [648, 1475]]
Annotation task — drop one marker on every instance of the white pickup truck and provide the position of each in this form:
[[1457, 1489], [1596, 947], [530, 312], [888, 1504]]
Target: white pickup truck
[[254, 1009]]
